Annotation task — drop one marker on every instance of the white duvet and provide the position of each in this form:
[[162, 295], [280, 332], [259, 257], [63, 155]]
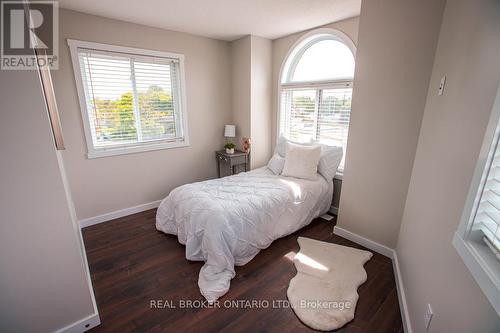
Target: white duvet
[[227, 221]]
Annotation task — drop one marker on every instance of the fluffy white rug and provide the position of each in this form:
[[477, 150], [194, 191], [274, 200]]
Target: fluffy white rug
[[324, 294]]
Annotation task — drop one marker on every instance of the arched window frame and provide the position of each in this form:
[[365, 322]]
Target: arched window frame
[[292, 59]]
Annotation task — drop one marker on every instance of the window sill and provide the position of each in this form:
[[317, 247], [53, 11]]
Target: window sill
[[480, 260], [135, 149]]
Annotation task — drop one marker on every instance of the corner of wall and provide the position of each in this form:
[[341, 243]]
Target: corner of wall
[[379, 163], [251, 58]]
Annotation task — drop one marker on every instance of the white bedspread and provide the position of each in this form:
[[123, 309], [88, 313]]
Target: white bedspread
[[227, 221]]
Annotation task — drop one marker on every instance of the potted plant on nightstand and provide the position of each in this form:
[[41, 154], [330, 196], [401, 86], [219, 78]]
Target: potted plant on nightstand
[[229, 147]]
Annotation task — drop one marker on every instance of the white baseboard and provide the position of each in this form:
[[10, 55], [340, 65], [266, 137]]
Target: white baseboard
[[94, 319], [403, 306], [390, 253], [374, 246], [82, 325], [118, 213]]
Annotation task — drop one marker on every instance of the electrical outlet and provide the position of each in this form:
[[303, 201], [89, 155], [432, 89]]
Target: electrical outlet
[[441, 85], [428, 317]]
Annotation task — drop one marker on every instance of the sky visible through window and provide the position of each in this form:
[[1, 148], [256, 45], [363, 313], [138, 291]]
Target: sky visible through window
[[325, 60]]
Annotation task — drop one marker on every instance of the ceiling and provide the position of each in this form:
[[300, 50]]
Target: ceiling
[[223, 19]]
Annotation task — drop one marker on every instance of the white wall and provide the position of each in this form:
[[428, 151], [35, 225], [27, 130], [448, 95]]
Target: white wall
[[450, 139], [396, 46], [112, 183], [261, 93], [43, 282], [282, 46]]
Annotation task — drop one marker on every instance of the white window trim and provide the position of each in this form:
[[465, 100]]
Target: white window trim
[[336, 34], [136, 147], [474, 256]]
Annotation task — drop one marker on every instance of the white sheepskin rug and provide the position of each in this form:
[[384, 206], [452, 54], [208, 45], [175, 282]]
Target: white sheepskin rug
[[324, 294]]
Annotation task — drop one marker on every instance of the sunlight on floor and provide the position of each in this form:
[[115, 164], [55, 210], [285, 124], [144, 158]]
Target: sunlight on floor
[[306, 260]]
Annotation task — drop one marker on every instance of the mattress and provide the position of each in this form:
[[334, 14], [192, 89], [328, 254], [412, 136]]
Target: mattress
[[227, 221]]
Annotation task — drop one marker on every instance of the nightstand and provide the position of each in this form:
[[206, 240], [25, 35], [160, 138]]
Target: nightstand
[[231, 164]]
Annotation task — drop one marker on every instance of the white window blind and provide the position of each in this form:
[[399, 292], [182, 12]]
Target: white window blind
[[321, 114], [487, 218], [131, 101]]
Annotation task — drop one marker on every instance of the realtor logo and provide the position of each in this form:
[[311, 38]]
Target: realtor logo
[[28, 26]]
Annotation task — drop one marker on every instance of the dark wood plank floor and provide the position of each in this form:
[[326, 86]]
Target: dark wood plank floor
[[131, 263]]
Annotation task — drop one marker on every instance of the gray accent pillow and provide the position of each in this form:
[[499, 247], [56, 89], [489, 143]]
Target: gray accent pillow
[[276, 164], [329, 161]]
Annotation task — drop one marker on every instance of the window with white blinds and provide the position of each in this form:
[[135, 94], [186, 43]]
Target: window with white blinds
[[316, 90], [321, 114], [487, 216], [131, 99], [477, 239]]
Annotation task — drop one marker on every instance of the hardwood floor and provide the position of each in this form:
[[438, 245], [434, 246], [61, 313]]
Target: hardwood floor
[[132, 263]]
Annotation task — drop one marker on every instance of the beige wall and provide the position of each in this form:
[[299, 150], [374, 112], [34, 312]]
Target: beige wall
[[241, 87], [251, 95], [396, 46], [452, 131], [282, 46], [261, 92], [43, 282], [111, 183]]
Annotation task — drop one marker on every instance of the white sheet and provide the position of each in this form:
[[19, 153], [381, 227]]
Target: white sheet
[[227, 221]]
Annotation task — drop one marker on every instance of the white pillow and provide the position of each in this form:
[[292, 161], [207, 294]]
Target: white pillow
[[281, 145], [276, 164], [301, 161], [329, 161]]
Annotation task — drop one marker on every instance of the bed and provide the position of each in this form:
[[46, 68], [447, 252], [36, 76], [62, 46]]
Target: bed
[[226, 222]]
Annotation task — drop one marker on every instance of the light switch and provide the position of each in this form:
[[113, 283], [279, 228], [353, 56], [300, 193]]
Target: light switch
[[441, 85]]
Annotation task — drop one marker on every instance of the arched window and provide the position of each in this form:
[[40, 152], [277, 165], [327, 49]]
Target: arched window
[[316, 89]]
